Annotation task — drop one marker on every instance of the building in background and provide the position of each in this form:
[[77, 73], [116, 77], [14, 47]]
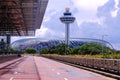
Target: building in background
[[38, 43], [21, 17]]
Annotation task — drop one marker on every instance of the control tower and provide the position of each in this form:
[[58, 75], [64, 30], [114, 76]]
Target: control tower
[[67, 18]]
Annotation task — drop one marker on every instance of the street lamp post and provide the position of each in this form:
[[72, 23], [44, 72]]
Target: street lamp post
[[67, 18]]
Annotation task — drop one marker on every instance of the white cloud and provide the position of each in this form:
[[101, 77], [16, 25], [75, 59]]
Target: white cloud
[[88, 22], [41, 32], [116, 46], [45, 32], [114, 13], [46, 19], [49, 14], [89, 4], [109, 13], [87, 10]]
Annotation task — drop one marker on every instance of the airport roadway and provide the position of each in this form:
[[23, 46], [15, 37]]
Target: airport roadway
[[39, 68]]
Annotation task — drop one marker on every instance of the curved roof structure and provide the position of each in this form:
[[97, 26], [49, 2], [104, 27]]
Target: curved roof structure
[[38, 43], [21, 17]]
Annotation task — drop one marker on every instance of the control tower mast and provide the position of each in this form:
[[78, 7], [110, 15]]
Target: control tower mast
[[67, 18]]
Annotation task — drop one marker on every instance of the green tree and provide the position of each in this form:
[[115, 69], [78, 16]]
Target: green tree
[[118, 51], [90, 48], [30, 51], [52, 50], [44, 51], [71, 51], [59, 49]]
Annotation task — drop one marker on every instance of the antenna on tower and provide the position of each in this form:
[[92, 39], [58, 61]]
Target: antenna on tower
[[67, 9]]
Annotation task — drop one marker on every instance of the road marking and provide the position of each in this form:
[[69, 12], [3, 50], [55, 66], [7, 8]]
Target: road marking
[[65, 79], [11, 78], [53, 69], [58, 73], [15, 72]]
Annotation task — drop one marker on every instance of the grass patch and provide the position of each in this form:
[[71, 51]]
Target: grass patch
[[105, 55]]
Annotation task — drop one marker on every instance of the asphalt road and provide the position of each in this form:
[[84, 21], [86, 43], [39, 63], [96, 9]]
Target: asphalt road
[[39, 68]]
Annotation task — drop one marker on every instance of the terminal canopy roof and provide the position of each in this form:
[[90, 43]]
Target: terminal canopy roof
[[21, 17]]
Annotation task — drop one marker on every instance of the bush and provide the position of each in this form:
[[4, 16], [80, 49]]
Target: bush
[[30, 50], [44, 51], [118, 51], [59, 49], [92, 49], [52, 50]]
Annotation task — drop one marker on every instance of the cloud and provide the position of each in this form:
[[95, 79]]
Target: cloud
[[110, 15], [47, 33], [114, 13], [106, 9], [91, 30], [89, 4], [84, 21], [94, 18], [41, 32], [87, 9], [52, 26]]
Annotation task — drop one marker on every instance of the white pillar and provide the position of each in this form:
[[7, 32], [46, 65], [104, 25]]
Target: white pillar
[[67, 34]]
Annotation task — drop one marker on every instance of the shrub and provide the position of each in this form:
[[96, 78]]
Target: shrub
[[44, 51], [92, 49], [30, 50]]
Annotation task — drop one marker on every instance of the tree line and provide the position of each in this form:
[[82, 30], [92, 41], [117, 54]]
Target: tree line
[[90, 48]]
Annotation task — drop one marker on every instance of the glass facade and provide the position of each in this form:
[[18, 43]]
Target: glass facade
[[38, 43]]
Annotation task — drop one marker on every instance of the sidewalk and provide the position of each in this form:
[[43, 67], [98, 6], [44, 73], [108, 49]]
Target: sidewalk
[[39, 68], [53, 70], [7, 63]]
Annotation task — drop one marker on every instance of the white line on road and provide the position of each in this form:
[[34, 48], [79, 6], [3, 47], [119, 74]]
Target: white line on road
[[15, 72], [11, 78], [58, 73], [53, 69], [65, 79]]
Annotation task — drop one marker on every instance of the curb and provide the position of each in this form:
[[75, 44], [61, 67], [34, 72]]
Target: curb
[[92, 70], [8, 63]]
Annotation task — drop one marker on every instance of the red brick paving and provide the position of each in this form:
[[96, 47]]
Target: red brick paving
[[26, 70], [52, 70], [48, 70]]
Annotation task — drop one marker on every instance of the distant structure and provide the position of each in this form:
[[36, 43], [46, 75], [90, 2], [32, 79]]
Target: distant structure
[[21, 17], [38, 43], [67, 18]]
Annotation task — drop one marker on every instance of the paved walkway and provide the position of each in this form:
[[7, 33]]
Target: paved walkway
[[2, 65], [26, 70], [39, 68], [52, 70]]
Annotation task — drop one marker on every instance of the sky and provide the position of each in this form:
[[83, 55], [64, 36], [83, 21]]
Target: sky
[[94, 19]]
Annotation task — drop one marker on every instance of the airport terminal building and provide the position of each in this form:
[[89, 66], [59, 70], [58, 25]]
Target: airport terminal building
[[38, 43], [21, 17]]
